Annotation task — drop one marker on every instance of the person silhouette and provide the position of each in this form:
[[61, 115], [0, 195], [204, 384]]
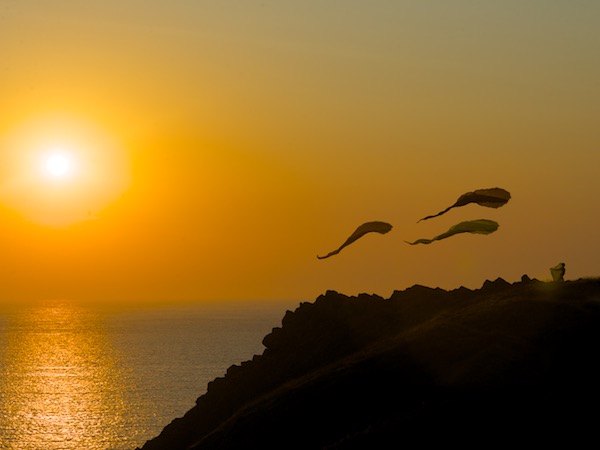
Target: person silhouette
[[558, 272]]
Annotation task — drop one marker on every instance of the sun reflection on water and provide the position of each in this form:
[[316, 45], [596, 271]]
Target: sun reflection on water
[[61, 384]]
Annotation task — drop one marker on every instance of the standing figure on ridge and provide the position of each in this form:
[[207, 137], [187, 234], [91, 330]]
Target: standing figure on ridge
[[558, 272]]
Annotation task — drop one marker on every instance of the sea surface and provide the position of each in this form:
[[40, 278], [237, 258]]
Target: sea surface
[[107, 377]]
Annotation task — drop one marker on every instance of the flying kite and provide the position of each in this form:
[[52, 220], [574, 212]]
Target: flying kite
[[481, 226], [492, 198], [369, 227]]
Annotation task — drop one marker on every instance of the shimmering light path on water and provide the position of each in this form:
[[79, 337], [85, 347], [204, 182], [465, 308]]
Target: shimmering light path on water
[[61, 382], [74, 377]]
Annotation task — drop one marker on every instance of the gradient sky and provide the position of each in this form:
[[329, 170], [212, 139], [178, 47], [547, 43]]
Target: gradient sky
[[221, 145]]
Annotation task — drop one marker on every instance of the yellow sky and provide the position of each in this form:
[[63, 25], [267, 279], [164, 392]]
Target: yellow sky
[[220, 146]]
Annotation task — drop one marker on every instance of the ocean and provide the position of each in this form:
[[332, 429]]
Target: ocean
[[78, 377]]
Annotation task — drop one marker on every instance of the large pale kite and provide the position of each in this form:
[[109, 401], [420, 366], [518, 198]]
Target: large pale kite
[[491, 198], [481, 226], [369, 227]]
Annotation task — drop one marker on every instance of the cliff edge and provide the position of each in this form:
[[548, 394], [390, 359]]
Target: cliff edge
[[512, 363]]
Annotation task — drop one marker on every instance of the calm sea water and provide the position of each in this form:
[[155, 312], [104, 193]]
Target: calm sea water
[[81, 377]]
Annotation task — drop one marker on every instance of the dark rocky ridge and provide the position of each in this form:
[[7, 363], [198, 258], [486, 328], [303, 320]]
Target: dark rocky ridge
[[506, 362]]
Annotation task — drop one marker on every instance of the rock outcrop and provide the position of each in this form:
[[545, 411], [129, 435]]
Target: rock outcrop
[[505, 363]]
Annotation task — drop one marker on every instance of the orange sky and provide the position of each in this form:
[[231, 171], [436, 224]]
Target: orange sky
[[220, 146]]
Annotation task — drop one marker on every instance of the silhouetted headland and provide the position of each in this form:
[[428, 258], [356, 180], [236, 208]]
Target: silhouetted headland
[[512, 363]]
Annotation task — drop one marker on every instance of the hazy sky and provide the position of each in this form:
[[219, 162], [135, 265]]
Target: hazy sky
[[217, 147]]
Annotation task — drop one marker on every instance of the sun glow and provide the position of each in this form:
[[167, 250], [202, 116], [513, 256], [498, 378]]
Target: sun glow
[[59, 170], [57, 165]]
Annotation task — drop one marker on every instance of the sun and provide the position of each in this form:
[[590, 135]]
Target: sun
[[57, 165], [58, 169]]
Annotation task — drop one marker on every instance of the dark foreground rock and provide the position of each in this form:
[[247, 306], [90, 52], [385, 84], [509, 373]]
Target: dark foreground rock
[[508, 363]]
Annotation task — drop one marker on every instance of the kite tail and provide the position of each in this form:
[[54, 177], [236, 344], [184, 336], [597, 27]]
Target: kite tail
[[438, 214], [421, 241], [335, 252]]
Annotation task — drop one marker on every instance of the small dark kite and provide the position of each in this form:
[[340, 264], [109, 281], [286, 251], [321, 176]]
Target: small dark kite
[[491, 198], [369, 227]]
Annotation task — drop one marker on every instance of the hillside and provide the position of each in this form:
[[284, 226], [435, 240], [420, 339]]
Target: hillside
[[504, 363]]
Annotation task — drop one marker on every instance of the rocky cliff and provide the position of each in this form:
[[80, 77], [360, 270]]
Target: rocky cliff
[[505, 363]]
